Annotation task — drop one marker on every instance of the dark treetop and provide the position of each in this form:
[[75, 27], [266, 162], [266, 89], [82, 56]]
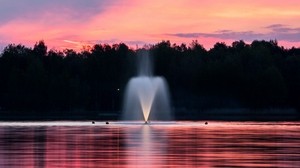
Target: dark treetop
[[38, 82]]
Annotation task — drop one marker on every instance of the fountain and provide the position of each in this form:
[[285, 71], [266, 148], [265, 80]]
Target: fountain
[[146, 96]]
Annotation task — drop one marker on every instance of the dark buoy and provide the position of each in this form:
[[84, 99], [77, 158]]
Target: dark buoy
[[107, 122], [93, 122], [206, 123]]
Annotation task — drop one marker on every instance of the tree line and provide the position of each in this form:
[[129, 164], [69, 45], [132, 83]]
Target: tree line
[[257, 75]]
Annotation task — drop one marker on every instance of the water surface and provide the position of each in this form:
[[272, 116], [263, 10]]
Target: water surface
[[124, 144]]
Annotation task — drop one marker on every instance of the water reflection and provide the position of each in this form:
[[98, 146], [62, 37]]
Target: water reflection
[[187, 144], [145, 147]]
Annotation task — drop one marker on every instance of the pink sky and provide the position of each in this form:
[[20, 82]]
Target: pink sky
[[73, 23]]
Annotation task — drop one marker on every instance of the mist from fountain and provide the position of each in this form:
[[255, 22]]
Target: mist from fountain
[[147, 96]]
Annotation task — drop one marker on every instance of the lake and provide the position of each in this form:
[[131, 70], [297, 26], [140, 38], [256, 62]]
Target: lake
[[159, 144]]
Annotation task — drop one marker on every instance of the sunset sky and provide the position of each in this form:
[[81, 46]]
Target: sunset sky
[[73, 23]]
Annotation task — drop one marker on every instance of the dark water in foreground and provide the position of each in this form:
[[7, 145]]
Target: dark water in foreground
[[180, 144]]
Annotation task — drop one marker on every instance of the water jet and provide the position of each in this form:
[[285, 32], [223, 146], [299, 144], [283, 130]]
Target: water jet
[[146, 96]]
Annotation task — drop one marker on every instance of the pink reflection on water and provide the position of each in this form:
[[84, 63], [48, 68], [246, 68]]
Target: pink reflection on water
[[182, 144], [145, 147]]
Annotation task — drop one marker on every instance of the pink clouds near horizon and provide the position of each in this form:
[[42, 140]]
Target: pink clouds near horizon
[[73, 23]]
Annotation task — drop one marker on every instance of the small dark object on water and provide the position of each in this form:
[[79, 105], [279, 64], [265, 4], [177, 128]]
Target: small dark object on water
[[93, 122], [107, 122], [206, 123]]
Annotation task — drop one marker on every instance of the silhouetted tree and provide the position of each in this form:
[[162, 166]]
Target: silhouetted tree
[[257, 75]]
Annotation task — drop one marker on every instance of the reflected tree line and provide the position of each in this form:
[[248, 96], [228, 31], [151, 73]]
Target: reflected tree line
[[257, 75]]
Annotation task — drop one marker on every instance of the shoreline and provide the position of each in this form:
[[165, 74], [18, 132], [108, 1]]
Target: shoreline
[[182, 115]]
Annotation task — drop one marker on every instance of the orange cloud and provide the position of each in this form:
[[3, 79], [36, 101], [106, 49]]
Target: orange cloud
[[150, 22]]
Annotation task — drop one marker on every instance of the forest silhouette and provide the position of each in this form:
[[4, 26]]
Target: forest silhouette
[[91, 82]]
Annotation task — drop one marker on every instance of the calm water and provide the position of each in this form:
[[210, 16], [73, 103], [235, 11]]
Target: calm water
[[177, 144]]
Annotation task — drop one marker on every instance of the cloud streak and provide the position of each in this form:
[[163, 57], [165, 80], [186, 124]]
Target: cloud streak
[[276, 31]]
